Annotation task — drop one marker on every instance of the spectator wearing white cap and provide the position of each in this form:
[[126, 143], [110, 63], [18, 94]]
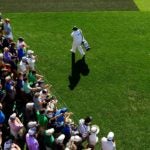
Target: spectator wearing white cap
[[32, 142], [32, 124], [49, 139], [93, 138], [59, 142], [108, 143], [15, 125], [23, 66], [75, 143], [31, 59], [30, 112]]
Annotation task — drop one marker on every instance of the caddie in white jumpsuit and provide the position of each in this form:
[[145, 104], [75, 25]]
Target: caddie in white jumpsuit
[[108, 143], [77, 40]]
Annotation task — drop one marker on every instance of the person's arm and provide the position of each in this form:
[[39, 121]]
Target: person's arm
[[0, 140], [39, 76], [18, 120], [15, 147]]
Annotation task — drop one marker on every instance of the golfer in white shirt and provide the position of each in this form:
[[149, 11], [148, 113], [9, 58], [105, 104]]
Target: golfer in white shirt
[[77, 40]]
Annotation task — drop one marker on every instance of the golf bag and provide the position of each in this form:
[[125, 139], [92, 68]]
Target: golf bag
[[86, 45]]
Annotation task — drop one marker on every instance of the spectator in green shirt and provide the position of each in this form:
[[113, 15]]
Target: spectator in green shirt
[[49, 139], [42, 119]]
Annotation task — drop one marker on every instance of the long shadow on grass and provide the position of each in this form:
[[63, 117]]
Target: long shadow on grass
[[78, 68]]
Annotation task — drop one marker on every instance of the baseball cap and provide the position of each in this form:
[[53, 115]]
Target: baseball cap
[[30, 52], [110, 136]]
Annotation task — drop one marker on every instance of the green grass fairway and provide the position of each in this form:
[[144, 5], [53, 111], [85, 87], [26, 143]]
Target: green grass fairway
[[116, 92], [65, 5], [143, 5]]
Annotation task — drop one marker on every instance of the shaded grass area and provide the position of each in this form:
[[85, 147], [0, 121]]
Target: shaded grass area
[[65, 5], [116, 91]]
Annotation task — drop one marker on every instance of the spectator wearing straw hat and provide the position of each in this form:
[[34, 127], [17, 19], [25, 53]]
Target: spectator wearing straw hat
[[108, 143], [93, 138], [8, 30]]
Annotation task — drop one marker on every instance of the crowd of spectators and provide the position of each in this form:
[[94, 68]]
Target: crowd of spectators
[[29, 114]]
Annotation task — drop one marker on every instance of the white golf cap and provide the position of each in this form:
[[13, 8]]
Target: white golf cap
[[24, 58], [110, 136], [29, 105], [49, 131], [81, 121], [7, 78], [61, 138], [32, 124], [76, 138], [95, 129], [30, 52]]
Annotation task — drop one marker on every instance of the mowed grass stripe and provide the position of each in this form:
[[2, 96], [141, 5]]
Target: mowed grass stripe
[[143, 5], [116, 91], [65, 5]]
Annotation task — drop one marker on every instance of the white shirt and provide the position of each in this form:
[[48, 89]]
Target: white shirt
[[7, 29], [77, 36], [93, 139], [22, 67], [84, 130], [20, 44], [107, 145], [31, 62]]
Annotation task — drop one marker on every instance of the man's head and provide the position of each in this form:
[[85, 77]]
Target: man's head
[[7, 20], [110, 136], [88, 120], [75, 28], [20, 39]]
